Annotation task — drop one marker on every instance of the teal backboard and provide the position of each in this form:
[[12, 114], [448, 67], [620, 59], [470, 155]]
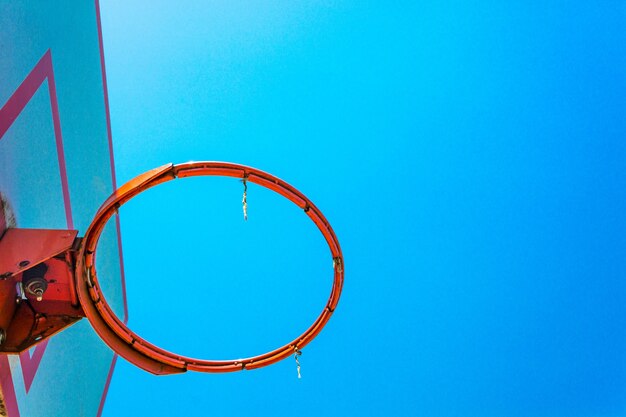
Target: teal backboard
[[56, 168]]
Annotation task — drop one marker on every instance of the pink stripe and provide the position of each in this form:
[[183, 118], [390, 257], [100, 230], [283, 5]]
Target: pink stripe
[[31, 364], [106, 95], [20, 98], [106, 386], [18, 101], [8, 114], [122, 275], [114, 183], [60, 153], [8, 390], [111, 157]]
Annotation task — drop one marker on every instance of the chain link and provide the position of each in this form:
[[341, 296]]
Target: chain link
[[244, 200], [296, 354]]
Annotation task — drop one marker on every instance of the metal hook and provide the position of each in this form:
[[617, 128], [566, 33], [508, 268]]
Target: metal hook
[[296, 354], [244, 200], [337, 264]]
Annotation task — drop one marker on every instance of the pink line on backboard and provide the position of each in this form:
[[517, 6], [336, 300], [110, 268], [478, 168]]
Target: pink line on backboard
[[6, 382], [30, 364], [114, 180], [8, 114], [18, 101], [111, 156]]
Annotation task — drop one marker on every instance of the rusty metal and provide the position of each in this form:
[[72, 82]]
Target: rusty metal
[[21, 249], [142, 353], [37, 289], [48, 279]]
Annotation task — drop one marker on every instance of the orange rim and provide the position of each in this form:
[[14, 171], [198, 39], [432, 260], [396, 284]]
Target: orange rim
[[144, 354]]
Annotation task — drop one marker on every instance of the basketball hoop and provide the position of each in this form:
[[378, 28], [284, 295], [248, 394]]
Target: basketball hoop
[[141, 352]]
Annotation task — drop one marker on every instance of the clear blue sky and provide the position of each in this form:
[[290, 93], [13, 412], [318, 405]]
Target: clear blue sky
[[470, 157]]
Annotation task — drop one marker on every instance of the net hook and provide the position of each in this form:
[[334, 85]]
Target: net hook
[[296, 354], [244, 200]]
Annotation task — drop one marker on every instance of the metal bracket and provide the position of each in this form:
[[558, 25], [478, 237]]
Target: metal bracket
[[37, 290]]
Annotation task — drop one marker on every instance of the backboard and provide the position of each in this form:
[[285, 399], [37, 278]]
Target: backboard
[[56, 168]]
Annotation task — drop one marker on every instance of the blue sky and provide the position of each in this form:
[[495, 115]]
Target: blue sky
[[469, 156]]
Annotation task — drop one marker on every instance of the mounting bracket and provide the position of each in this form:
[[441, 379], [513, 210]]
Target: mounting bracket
[[37, 289]]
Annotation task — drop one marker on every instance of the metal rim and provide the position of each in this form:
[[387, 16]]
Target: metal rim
[[144, 354]]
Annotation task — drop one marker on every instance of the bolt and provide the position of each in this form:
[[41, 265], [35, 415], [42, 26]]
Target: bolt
[[24, 264], [5, 275], [3, 336], [36, 286], [34, 282]]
